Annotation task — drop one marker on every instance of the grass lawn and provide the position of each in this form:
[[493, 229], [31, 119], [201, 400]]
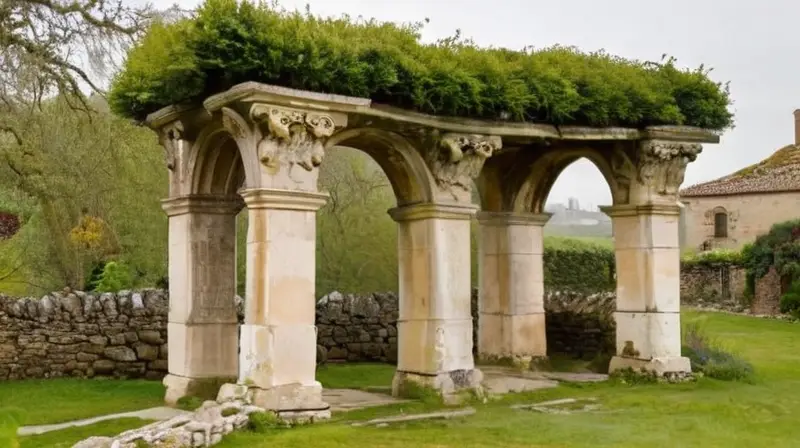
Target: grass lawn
[[63, 399], [68, 437], [708, 413]]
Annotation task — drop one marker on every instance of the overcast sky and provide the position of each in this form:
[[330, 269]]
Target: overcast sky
[[753, 44]]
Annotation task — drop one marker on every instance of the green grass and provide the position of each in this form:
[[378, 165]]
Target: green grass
[[65, 438], [355, 376], [64, 399], [708, 413]]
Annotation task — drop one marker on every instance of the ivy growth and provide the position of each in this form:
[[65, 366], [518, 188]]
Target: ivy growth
[[227, 42]]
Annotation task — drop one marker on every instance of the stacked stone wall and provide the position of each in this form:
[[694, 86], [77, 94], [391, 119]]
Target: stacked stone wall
[[768, 291], [125, 334], [78, 334], [717, 287]]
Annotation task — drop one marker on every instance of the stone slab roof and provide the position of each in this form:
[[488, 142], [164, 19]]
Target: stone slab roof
[[778, 172]]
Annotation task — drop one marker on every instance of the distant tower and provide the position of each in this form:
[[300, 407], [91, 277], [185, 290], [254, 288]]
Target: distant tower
[[573, 204]]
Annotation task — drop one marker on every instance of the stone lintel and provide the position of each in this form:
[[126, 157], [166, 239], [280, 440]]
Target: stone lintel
[[433, 211], [265, 93], [278, 199], [203, 204], [620, 211], [501, 219]]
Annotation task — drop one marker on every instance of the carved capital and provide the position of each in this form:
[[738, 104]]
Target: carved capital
[[293, 137], [170, 137], [654, 173], [457, 159]]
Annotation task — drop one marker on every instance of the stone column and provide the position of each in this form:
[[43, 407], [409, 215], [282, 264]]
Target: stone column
[[648, 288], [435, 323], [512, 323], [203, 326], [278, 338]]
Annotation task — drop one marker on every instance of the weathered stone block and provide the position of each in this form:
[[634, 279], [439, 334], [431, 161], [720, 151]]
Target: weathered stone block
[[146, 352], [123, 354]]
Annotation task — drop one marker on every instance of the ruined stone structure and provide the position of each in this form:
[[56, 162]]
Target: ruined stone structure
[[260, 146], [733, 210]]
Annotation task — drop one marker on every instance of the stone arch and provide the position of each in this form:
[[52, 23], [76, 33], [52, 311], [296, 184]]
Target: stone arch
[[411, 180], [217, 162], [546, 169]]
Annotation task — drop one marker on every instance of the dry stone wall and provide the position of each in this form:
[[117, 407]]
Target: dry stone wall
[[717, 287], [78, 334], [72, 333]]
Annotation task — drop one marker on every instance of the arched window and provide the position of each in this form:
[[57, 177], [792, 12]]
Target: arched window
[[720, 223]]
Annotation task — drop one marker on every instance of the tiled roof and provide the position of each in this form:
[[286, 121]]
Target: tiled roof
[[778, 172]]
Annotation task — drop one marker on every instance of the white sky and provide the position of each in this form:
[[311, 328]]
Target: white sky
[[753, 44]]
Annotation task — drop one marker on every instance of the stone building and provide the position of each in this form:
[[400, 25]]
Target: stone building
[[733, 210]]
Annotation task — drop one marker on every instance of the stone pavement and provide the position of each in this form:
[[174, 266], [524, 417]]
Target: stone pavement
[[497, 380]]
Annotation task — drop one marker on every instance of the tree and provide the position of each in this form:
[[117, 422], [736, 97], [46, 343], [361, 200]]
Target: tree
[[59, 47]]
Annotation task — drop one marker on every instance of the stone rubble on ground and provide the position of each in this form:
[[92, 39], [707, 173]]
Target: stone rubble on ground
[[203, 428]]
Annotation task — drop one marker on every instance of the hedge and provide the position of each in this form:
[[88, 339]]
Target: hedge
[[578, 265], [226, 42]]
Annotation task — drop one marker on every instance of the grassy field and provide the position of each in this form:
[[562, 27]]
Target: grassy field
[[708, 413], [68, 437], [58, 400]]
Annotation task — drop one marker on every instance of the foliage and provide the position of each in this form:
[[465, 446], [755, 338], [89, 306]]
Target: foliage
[[115, 277], [189, 402], [88, 191], [780, 247], [9, 225], [790, 301], [263, 422], [58, 47], [578, 265], [710, 359], [712, 257], [227, 42]]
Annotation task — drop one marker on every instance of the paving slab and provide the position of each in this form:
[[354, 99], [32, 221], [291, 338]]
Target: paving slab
[[349, 399]]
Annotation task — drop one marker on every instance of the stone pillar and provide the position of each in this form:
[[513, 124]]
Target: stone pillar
[[203, 326], [511, 322], [435, 323], [278, 338], [648, 288]]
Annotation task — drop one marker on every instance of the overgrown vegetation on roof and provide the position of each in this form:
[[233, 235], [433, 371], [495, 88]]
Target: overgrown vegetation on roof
[[226, 42], [785, 156]]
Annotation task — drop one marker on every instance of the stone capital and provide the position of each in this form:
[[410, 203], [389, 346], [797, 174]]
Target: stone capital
[[293, 136], [654, 172], [276, 199], [626, 210], [456, 159], [433, 211], [202, 204], [501, 219]]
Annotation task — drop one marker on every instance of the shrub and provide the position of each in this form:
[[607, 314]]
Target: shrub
[[712, 257], [115, 277], [262, 422], [9, 225], [577, 265], [711, 360], [228, 42], [790, 301]]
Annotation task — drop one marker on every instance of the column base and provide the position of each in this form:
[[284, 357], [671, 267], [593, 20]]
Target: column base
[[521, 362], [295, 403], [449, 385], [181, 386], [289, 398], [674, 366]]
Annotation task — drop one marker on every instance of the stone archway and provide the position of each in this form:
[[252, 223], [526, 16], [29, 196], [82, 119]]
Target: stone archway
[[281, 135]]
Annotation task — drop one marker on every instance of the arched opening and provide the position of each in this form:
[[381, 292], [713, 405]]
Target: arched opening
[[579, 266]]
